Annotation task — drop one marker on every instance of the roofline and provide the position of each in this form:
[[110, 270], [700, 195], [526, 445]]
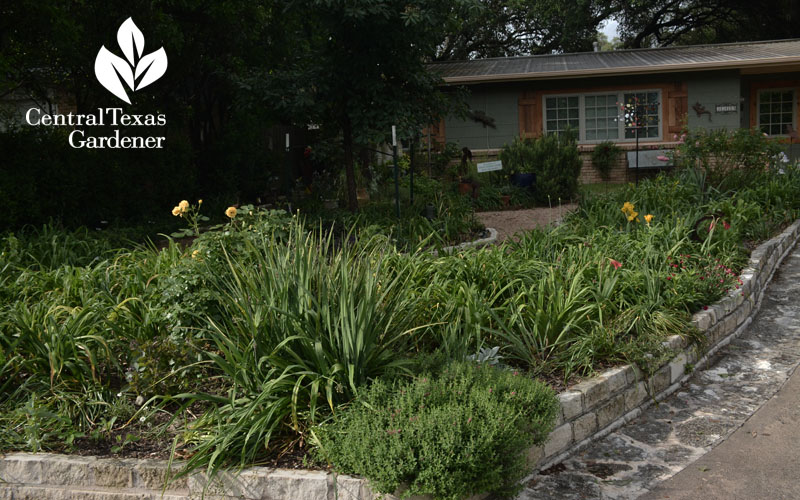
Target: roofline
[[638, 49], [630, 70]]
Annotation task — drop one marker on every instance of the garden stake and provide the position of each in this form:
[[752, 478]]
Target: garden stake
[[396, 173]]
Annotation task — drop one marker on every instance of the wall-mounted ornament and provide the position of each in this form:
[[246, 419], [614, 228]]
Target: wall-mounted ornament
[[701, 110]]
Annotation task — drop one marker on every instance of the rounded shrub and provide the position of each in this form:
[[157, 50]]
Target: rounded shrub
[[463, 432]]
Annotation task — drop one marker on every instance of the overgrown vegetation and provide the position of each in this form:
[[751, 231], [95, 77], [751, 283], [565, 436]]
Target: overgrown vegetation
[[554, 159], [603, 157], [260, 334]]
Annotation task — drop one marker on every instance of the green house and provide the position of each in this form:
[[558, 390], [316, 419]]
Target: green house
[[603, 95]]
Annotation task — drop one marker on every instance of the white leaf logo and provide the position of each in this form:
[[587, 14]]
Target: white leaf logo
[[137, 72]]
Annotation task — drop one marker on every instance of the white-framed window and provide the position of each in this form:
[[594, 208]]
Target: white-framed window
[[642, 108], [562, 112], [776, 111], [603, 116]]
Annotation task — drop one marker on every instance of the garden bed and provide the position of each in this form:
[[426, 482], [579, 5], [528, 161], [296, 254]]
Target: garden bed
[[268, 337], [588, 411]]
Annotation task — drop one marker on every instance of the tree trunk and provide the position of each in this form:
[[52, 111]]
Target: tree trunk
[[347, 137]]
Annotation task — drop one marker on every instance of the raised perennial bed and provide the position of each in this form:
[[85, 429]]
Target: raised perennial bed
[[589, 411]]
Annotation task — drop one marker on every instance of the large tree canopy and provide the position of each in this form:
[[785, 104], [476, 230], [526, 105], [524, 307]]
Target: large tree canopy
[[358, 67], [651, 23], [497, 28]]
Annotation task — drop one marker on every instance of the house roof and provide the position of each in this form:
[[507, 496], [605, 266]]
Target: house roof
[[616, 62]]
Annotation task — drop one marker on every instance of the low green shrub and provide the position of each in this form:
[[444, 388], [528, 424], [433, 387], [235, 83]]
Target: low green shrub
[[463, 432]]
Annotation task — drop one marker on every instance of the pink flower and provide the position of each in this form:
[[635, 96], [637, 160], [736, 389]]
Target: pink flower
[[662, 158], [726, 225], [705, 308], [615, 263]]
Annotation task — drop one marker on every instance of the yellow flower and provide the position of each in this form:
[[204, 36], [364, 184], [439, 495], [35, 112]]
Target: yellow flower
[[199, 202], [627, 206], [183, 205], [632, 216], [195, 254], [176, 211], [648, 218], [231, 212]]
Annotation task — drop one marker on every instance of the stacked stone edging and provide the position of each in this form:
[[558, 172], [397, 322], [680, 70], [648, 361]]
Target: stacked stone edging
[[589, 411], [598, 406]]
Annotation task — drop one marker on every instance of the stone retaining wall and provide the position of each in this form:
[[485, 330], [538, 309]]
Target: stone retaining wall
[[589, 411]]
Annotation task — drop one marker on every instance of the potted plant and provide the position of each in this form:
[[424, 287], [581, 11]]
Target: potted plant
[[505, 195], [519, 159]]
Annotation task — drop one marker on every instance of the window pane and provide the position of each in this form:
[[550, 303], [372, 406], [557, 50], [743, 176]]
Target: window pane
[[776, 111], [590, 112], [551, 114], [562, 102], [551, 125], [573, 102], [562, 113], [589, 101], [573, 112], [551, 102], [591, 135]]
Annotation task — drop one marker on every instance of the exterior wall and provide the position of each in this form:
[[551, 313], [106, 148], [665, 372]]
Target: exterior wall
[[752, 84], [497, 102], [708, 90], [590, 175]]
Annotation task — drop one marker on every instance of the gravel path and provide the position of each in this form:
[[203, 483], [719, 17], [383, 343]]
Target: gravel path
[[509, 222]]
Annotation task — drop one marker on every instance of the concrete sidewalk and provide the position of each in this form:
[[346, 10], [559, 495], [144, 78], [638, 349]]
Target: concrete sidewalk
[[760, 460]]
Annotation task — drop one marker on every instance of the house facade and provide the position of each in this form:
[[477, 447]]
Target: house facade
[[603, 95]]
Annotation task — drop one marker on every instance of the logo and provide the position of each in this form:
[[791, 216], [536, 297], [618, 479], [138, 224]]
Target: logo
[[137, 71]]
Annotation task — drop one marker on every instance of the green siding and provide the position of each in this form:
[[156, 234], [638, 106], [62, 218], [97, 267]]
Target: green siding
[[499, 103], [710, 90]]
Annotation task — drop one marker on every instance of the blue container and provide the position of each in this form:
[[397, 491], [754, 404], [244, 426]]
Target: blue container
[[523, 180]]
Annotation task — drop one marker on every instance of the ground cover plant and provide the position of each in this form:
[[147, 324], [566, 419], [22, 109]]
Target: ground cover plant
[[272, 334]]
